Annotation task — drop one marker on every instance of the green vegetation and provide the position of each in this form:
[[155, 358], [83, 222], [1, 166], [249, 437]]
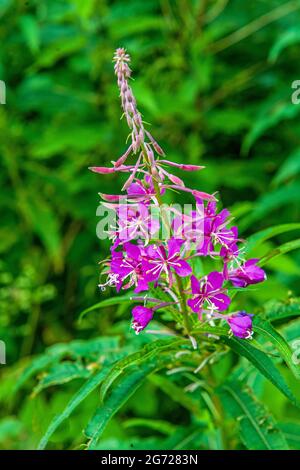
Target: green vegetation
[[214, 77]]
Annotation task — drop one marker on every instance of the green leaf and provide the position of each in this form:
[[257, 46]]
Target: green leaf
[[153, 349], [255, 355], [90, 350], [279, 109], [123, 390], [47, 226], [280, 310], [188, 437], [262, 363], [258, 238], [62, 373], [176, 394], [60, 49], [257, 427], [290, 331], [287, 38], [221, 332], [37, 365], [291, 432], [75, 401], [107, 303], [31, 33], [10, 428], [121, 28], [264, 328], [282, 249], [290, 168], [154, 424], [271, 201], [94, 348]]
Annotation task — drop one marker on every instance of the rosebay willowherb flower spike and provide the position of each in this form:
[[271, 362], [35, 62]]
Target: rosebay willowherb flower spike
[[133, 116], [162, 270]]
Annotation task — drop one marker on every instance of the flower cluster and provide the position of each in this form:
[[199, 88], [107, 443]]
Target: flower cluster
[[147, 262]]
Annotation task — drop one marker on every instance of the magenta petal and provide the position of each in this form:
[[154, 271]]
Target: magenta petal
[[132, 251], [136, 189], [247, 274], [149, 272], [141, 286], [154, 226], [251, 262], [195, 285], [223, 215], [237, 282], [221, 301], [194, 304], [152, 252], [215, 280], [141, 317], [174, 246], [182, 268], [241, 324], [235, 232]]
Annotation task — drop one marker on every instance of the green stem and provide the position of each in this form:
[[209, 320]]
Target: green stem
[[183, 304]]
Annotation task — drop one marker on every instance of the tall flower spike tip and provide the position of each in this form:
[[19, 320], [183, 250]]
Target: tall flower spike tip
[[133, 116]]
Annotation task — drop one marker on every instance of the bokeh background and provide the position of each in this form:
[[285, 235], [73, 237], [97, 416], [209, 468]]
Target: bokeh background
[[213, 77]]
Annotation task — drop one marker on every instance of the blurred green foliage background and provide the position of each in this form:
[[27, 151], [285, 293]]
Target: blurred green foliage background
[[213, 77]]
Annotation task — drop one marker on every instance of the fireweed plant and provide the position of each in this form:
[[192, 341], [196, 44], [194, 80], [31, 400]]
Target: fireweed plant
[[155, 247], [183, 266]]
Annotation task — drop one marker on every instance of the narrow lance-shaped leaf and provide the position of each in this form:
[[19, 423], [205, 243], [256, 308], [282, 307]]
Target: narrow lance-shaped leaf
[[91, 350], [291, 432], [255, 240], [107, 303], [256, 356], [257, 427], [281, 310], [75, 401], [153, 349], [61, 374], [264, 328], [263, 363], [121, 392], [282, 249], [176, 394]]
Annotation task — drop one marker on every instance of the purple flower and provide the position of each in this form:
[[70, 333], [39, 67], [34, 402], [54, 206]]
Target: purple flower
[[160, 260], [216, 231], [143, 191], [241, 324], [231, 251], [247, 274], [208, 291], [127, 266], [135, 221], [141, 317], [206, 229]]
